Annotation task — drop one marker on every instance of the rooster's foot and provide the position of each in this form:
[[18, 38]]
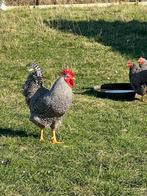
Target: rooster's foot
[[142, 99], [41, 140], [54, 141]]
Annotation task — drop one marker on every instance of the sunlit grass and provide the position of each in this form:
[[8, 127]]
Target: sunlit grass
[[104, 150]]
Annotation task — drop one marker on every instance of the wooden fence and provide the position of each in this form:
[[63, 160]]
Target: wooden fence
[[48, 2]]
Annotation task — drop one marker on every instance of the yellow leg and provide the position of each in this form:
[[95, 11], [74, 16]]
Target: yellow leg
[[54, 139], [142, 98], [41, 135]]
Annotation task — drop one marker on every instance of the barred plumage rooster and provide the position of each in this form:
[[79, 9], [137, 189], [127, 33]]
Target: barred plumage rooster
[[47, 107]]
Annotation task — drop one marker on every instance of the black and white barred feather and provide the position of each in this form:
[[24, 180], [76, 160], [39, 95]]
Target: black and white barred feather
[[34, 69]]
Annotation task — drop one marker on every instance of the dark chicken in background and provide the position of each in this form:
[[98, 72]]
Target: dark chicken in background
[[138, 77], [47, 107], [142, 63]]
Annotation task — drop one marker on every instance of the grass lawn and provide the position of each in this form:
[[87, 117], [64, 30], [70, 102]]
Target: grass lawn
[[105, 149]]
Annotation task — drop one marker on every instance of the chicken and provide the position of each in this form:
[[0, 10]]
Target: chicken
[[138, 79], [47, 107], [142, 63]]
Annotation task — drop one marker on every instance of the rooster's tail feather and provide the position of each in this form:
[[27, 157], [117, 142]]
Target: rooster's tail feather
[[34, 68]]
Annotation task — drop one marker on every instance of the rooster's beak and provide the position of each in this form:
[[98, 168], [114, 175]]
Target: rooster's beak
[[73, 78]]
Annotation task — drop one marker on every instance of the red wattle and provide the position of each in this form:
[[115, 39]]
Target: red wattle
[[69, 82]]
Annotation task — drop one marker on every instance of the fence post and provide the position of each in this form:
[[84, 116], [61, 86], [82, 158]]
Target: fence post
[[37, 2]]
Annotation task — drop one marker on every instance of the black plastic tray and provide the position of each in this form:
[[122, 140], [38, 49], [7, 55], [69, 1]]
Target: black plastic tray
[[116, 91]]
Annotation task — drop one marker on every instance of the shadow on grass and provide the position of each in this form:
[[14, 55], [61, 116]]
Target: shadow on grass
[[90, 91], [125, 37], [15, 133]]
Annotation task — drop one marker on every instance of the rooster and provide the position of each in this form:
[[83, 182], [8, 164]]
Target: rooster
[[47, 107], [138, 79]]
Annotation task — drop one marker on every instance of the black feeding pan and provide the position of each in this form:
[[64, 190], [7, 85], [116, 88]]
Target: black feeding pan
[[116, 91]]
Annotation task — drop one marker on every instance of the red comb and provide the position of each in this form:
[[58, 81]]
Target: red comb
[[141, 60], [68, 72], [130, 64]]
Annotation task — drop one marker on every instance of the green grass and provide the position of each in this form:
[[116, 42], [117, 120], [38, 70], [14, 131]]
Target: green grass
[[105, 149]]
